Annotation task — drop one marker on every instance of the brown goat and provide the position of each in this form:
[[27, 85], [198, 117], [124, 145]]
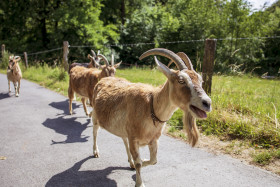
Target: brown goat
[[14, 73], [137, 112], [82, 81]]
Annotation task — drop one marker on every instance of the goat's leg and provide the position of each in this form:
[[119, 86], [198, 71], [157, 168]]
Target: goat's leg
[[90, 100], [95, 130], [125, 141], [9, 86], [71, 96], [134, 150], [153, 146], [16, 90], [84, 105], [18, 85]]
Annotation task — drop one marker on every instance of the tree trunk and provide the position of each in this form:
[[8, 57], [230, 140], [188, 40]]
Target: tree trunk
[[123, 11]]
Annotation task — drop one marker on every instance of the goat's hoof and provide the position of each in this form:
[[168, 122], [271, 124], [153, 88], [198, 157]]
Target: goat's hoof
[[132, 166], [96, 155], [17, 95], [141, 185]]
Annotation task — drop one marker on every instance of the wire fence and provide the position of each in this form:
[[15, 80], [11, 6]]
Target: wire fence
[[78, 53], [148, 43]]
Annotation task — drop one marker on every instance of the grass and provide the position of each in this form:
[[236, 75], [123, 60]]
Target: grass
[[244, 107]]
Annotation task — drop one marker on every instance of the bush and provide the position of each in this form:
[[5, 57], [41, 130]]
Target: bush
[[5, 60]]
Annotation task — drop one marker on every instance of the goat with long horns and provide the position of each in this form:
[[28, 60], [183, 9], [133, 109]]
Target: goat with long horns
[[138, 112]]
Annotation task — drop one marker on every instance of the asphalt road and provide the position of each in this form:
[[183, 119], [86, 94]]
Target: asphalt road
[[44, 146]]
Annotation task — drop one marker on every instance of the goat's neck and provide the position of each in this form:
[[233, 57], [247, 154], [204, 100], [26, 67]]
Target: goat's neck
[[163, 107]]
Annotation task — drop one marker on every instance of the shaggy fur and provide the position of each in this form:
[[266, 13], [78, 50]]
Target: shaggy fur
[[14, 74]]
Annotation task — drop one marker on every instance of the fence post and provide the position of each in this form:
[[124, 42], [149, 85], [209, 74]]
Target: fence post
[[2, 49], [65, 55], [208, 64], [25, 59]]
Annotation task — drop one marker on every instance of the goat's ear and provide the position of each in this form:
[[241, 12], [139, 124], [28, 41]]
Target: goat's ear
[[163, 68], [117, 65]]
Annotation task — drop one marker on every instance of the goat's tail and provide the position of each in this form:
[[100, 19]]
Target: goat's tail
[[191, 128]]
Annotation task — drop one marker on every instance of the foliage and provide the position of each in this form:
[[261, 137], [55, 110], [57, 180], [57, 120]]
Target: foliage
[[40, 25]]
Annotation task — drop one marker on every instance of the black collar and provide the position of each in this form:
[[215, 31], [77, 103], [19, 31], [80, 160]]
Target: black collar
[[153, 115]]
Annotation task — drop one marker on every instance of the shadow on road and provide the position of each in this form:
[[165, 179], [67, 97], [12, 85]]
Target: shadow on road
[[64, 106], [4, 95], [74, 177], [69, 127]]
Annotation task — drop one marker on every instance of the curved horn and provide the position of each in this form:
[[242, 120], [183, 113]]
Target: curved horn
[[104, 58], [185, 59], [112, 60], [93, 61], [166, 53], [93, 53]]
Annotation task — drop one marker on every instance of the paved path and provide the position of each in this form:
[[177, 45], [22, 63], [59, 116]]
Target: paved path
[[45, 146]]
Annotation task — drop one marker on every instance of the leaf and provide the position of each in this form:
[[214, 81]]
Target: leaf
[[3, 158]]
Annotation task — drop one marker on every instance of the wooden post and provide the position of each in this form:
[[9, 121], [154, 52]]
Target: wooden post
[[208, 64], [25, 59], [65, 55], [2, 49]]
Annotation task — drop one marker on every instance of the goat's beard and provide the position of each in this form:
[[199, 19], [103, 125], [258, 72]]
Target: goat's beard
[[190, 127]]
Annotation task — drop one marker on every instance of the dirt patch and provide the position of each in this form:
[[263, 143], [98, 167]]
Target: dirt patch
[[236, 149]]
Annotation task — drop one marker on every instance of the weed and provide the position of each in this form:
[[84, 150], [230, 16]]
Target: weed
[[171, 129], [262, 158]]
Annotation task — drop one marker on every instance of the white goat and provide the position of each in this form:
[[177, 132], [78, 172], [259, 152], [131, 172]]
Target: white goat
[[137, 112], [82, 80], [14, 73]]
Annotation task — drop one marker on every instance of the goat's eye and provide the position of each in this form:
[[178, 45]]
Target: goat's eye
[[181, 80]]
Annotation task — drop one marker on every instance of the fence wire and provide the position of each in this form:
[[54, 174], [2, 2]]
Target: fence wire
[[148, 43]]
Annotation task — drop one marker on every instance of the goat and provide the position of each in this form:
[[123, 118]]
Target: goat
[[137, 112], [82, 80], [14, 73], [94, 62]]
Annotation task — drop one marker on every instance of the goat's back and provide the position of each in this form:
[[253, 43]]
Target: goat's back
[[121, 106], [86, 65], [82, 80]]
